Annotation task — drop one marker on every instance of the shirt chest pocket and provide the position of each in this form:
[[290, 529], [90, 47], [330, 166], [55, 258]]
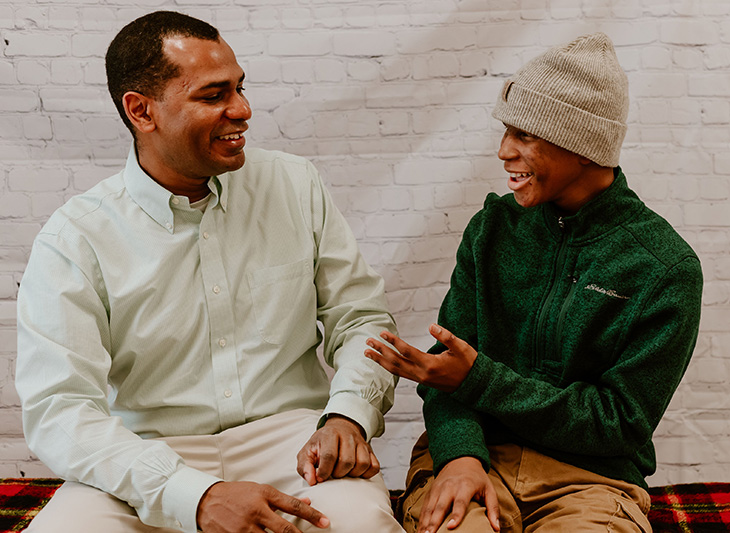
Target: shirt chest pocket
[[284, 299]]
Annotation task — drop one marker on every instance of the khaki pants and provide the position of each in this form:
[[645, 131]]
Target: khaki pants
[[263, 451], [536, 494]]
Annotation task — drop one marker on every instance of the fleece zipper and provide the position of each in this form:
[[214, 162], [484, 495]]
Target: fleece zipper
[[541, 333]]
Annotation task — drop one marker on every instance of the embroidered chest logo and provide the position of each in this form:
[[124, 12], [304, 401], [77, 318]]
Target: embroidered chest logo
[[608, 292]]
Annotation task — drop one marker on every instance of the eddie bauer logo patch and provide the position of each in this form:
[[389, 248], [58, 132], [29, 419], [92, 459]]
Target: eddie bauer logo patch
[[608, 292]]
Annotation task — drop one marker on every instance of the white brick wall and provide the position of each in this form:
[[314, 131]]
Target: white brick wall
[[391, 100]]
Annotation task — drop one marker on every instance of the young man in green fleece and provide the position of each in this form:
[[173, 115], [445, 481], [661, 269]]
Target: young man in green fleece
[[571, 317]]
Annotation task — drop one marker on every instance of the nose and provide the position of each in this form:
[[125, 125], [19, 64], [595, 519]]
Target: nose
[[507, 149], [239, 108]]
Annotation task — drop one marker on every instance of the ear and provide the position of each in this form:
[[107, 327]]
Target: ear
[[136, 106], [584, 161]]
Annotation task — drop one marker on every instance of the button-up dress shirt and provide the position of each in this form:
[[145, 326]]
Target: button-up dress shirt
[[140, 316]]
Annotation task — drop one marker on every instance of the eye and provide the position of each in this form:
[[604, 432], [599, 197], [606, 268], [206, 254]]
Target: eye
[[240, 89], [212, 97]]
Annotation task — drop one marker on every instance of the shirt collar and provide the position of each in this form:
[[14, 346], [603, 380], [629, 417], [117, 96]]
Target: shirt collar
[[156, 201]]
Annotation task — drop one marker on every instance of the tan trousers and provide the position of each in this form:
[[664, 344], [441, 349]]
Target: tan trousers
[[263, 451], [536, 494]]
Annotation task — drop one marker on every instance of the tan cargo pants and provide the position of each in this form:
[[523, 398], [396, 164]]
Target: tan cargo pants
[[536, 494]]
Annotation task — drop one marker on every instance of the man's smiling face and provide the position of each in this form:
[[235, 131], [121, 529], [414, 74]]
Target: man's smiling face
[[202, 114], [540, 172]]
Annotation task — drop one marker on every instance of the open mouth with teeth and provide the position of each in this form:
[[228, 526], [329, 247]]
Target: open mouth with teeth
[[231, 137], [517, 180]]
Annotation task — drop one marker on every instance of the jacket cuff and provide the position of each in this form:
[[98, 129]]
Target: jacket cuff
[[182, 495], [476, 381]]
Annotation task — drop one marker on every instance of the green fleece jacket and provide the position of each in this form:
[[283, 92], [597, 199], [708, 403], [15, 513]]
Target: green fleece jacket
[[584, 326]]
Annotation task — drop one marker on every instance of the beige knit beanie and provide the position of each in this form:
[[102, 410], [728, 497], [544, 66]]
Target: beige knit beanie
[[575, 96]]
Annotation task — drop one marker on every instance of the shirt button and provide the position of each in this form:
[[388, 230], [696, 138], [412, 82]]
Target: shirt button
[[228, 393], [168, 225], [175, 200], [216, 289], [205, 235], [222, 343]]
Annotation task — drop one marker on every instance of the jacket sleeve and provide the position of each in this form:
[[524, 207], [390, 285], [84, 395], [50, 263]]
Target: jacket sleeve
[[64, 344], [454, 427], [351, 306], [617, 413]]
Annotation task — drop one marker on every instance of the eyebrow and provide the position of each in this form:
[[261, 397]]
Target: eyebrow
[[220, 84]]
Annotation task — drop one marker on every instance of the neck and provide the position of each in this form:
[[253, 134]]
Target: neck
[[178, 184]]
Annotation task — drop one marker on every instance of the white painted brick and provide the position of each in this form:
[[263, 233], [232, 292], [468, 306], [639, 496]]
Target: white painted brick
[[329, 70], [328, 16], [423, 41], [244, 44], [707, 214], [14, 205], [7, 73], [363, 70], [687, 58], [18, 233], [715, 112], [435, 121], [18, 100], [396, 225], [74, 100], [656, 57], [29, 17], [359, 16], [32, 179], [31, 44], [6, 17], [395, 69], [508, 36], [330, 125], [66, 72], [364, 200], [689, 32], [403, 95], [33, 469], [44, 204], [310, 44], [391, 15], [364, 44], [8, 287], [431, 171], [715, 84], [394, 123], [395, 199]]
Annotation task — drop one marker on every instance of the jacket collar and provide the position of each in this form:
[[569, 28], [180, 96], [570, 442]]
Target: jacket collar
[[602, 214]]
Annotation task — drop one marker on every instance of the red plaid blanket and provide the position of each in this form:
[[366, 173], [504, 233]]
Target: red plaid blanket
[[689, 508]]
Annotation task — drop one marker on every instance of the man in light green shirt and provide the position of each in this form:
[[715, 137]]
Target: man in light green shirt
[[170, 315]]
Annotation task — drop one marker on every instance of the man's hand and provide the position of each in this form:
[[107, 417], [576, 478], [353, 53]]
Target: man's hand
[[245, 507], [336, 450], [444, 371], [459, 482]]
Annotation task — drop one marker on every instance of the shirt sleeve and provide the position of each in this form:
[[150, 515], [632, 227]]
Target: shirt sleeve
[[351, 307], [617, 413], [64, 346]]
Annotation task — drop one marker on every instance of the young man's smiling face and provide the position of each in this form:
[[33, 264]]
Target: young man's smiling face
[[201, 116], [540, 172]]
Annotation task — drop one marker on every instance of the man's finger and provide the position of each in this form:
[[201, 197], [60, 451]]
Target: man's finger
[[328, 454], [374, 467], [346, 457], [296, 507]]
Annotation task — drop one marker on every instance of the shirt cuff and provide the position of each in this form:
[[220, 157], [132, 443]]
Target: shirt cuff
[[182, 494], [357, 409]]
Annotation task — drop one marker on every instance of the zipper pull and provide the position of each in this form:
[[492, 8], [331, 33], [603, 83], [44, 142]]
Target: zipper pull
[[561, 223]]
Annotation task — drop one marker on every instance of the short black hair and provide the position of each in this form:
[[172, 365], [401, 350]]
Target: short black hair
[[135, 60]]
